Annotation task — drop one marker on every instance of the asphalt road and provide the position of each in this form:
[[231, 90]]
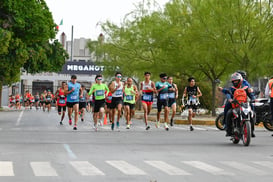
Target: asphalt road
[[34, 147]]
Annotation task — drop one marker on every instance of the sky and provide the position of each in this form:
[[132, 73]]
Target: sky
[[85, 15]]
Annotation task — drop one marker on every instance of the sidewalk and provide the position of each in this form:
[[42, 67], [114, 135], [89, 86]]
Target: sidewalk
[[201, 119]]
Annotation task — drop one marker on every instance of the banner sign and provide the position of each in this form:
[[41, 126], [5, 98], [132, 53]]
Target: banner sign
[[86, 68]]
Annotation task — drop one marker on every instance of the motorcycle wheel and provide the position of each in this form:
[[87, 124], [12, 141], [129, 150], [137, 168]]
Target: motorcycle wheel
[[268, 125], [219, 121], [246, 133]]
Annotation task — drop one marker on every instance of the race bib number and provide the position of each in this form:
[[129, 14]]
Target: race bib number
[[48, 99], [119, 92], [129, 97], [192, 100], [99, 92], [73, 97], [171, 95], [147, 97], [109, 97], [163, 96], [61, 101]]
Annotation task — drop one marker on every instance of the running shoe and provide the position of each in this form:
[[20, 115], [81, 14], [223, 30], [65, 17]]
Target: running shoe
[[191, 128], [171, 123], [61, 123], [166, 127], [113, 125], [148, 127], [82, 119], [117, 124], [100, 122], [157, 124], [127, 126], [75, 127], [70, 122], [95, 127]]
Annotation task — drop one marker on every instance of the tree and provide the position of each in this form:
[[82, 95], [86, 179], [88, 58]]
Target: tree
[[208, 39], [26, 34]]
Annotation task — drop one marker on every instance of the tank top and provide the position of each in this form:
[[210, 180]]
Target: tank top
[[118, 92], [171, 93], [192, 91], [48, 98], [73, 96], [108, 99], [147, 95], [146, 87], [61, 101], [129, 97]]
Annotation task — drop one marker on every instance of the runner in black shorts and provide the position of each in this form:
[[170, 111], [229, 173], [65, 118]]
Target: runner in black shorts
[[116, 88], [82, 103], [172, 95]]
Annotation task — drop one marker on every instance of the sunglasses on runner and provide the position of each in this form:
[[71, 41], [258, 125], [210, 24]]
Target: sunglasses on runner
[[99, 79], [119, 76]]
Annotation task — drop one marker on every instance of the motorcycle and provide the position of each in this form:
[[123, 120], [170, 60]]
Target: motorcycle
[[262, 114], [240, 123]]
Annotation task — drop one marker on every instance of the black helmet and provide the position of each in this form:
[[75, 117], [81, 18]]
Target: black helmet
[[243, 73], [236, 79]]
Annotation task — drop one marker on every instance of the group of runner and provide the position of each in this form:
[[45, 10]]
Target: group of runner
[[121, 97], [118, 96]]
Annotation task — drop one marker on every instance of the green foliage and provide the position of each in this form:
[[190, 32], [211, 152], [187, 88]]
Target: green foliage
[[26, 33], [207, 39]]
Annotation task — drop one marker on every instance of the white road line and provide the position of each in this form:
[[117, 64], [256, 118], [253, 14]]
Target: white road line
[[266, 164], [43, 169], [198, 128], [6, 168], [69, 152], [126, 168], [212, 128], [207, 168], [179, 128], [19, 118], [85, 168], [167, 168], [244, 167]]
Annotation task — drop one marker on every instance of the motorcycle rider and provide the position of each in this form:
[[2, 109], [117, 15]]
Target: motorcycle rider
[[244, 83], [237, 82]]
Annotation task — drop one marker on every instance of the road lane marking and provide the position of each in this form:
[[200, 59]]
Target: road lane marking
[[167, 168], [207, 168], [244, 167], [19, 118], [266, 164], [212, 128], [85, 168], [198, 128], [179, 128], [69, 152], [126, 168], [6, 168], [43, 169]]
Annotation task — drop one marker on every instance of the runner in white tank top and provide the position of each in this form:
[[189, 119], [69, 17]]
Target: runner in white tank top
[[147, 89], [116, 88]]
